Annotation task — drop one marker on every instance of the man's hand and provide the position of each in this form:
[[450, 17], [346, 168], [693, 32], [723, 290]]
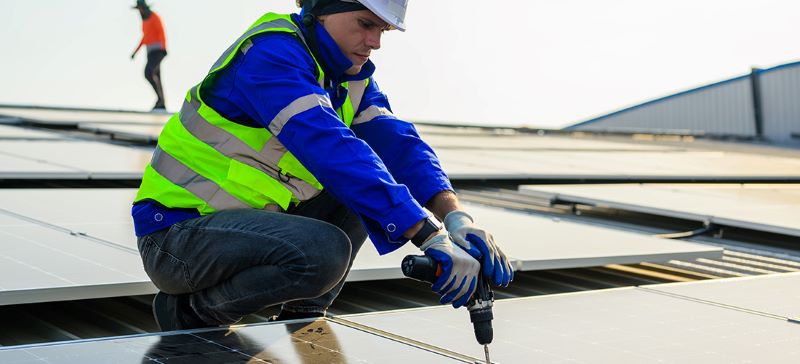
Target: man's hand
[[459, 270], [479, 243]]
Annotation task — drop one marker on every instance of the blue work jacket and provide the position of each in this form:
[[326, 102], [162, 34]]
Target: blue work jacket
[[380, 168]]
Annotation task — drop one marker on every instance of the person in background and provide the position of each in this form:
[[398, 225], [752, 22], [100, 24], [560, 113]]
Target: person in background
[[156, 43]]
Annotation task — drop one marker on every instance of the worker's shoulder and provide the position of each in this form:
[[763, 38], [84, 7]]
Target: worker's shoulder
[[278, 39], [285, 45]]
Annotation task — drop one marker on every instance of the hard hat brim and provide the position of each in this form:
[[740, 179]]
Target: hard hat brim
[[396, 23]]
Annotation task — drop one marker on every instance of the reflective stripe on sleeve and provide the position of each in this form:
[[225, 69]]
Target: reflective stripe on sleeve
[[371, 113], [297, 106]]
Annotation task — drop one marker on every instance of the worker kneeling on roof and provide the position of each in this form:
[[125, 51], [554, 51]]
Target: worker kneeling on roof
[[282, 159]]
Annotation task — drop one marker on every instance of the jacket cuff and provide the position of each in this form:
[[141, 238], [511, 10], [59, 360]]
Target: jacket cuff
[[401, 218]]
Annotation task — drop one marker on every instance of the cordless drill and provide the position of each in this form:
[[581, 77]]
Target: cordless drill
[[425, 269]]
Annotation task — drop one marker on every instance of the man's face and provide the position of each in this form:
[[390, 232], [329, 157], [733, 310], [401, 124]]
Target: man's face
[[356, 33]]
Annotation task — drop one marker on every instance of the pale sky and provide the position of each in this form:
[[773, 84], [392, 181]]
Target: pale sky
[[513, 62]]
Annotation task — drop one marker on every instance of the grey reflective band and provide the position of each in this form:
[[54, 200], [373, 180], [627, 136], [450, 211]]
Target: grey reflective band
[[277, 23], [371, 113], [299, 105], [356, 90], [157, 46], [230, 146], [205, 189], [246, 46]]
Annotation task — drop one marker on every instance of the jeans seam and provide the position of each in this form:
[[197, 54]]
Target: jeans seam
[[184, 265]]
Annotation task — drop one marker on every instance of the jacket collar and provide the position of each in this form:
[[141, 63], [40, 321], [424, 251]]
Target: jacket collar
[[334, 62]]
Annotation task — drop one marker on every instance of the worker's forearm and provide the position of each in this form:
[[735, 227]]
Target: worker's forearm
[[408, 234], [440, 204], [443, 203]]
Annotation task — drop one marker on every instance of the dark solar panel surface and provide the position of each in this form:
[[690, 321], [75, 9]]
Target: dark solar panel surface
[[315, 342]]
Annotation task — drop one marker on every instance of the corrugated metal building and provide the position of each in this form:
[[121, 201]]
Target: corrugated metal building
[[761, 105]]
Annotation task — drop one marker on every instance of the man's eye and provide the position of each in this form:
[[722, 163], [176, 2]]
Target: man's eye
[[365, 24]]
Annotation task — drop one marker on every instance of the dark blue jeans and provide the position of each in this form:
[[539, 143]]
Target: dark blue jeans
[[237, 262]]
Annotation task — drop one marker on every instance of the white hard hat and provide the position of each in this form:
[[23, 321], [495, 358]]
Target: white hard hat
[[391, 11]]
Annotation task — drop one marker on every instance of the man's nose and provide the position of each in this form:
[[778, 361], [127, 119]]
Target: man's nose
[[374, 39]]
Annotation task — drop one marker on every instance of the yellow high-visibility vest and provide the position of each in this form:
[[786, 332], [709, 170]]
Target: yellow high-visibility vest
[[207, 162]]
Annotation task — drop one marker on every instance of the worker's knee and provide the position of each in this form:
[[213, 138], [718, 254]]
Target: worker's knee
[[328, 264]]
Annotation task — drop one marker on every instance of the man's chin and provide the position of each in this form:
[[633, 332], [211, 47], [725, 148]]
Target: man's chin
[[352, 71]]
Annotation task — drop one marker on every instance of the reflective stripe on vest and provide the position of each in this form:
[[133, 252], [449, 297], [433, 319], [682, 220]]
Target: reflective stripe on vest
[[179, 174], [207, 162], [259, 27], [265, 160]]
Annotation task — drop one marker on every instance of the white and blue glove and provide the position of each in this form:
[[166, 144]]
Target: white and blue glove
[[479, 244], [460, 271]]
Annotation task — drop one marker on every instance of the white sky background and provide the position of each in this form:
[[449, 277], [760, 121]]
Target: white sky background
[[513, 62]]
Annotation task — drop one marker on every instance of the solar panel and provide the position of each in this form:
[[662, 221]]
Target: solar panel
[[15, 132], [539, 242], [42, 263], [143, 133], [764, 207], [455, 139], [19, 167], [99, 213], [100, 160], [774, 294], [627, 325], [617, 165], [533, 242], [320, 341], [74, 117]]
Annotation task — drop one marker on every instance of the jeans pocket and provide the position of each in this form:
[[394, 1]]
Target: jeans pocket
[[168, 272]]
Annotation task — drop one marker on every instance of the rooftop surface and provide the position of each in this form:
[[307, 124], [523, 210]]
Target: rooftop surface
[[598, 264]]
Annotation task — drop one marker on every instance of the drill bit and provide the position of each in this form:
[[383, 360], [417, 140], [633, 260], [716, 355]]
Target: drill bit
[[486, 351]]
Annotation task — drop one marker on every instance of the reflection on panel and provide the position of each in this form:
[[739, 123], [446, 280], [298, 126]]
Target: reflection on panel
[[611, 326], [774, 294], [302, 343], [766, 207]]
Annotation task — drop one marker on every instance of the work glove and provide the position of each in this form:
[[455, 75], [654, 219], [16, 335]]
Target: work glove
[[460, 271], [479, 244]]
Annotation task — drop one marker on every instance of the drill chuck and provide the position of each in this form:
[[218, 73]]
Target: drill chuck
[[482, 323]]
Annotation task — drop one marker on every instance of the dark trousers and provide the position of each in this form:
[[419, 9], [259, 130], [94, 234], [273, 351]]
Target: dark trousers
[[237, 262], [152, 72]]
